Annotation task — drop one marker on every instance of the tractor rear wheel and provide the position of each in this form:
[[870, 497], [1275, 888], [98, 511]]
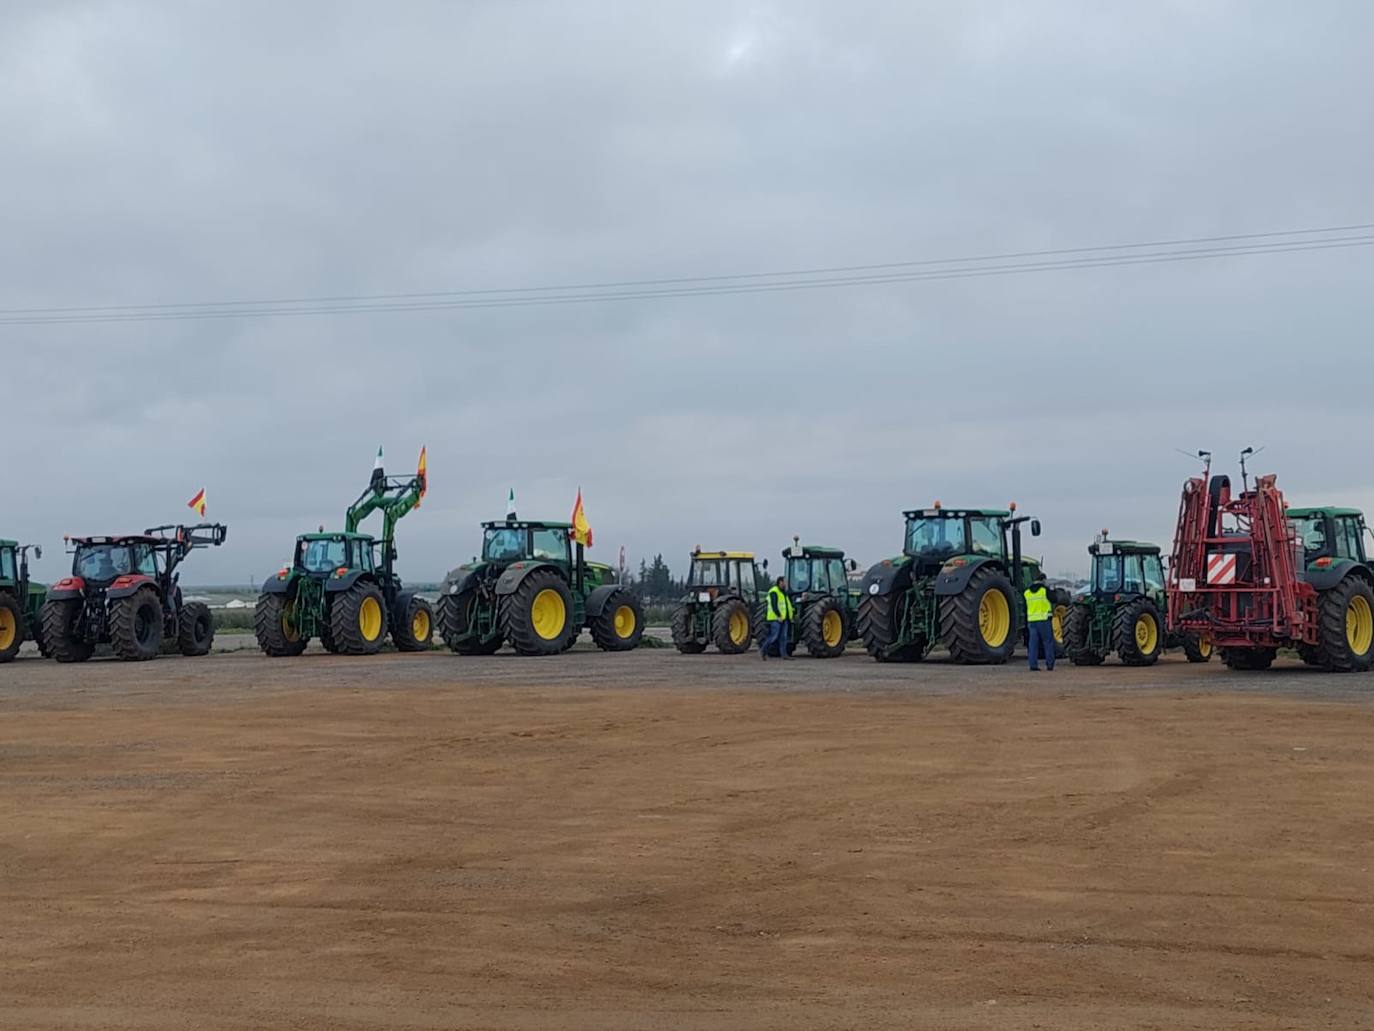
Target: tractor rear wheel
[[11, 626], [414, 629], [1345, 627], [537, 618], [1198, 647], [1138, 632], [731, 628], [136, 625], [1076, 645], [59, 624], [880, 626], [824, 628], [621, 623], [457, 617], [357, 620], [1248, 658], [195, 629], [276, 626], [683, 640], [979, 623]]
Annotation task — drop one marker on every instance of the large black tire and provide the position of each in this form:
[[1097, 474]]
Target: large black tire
[[327, 641], [274, 626], [59, 621], [979, 624], [621, 623], [11, 626], [1345, 626], [1138, 632], [136, 625], [1248, 658], [1061, 600], [196, 629], [732, 629], [358, 620], [683, 640], [413, 629], [1076, 644], [825, 628], [1197, 648], [537, 618], [878, 626], [455, 620]]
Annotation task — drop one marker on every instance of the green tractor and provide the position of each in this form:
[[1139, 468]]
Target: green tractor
[[534, 589], [959, 580], [21, 600], [1338, 568], [723, 604], [827, 615], [343, 587], [1123, 609]]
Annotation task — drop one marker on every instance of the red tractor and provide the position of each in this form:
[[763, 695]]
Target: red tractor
[[123, 591], [1249, 574]]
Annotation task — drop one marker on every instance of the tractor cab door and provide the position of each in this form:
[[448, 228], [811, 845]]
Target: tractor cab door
[[1349, 538], [363, 558], [1154, 578], [1133, 581], [7, 566]]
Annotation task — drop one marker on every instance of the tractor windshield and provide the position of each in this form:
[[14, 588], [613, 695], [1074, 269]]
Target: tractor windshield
[[1312, 533], [810, 574], [103, 562], [1107, 576], [935, 537], [7, 564], [505, 544], [323, 556], [706, 573]]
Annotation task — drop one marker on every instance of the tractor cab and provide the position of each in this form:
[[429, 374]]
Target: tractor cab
[[1125, 567], [322, 555], [20, 601], [515, 541], [1330, 535], [817, 571], [726, 573], [100, 561], [936, 535]]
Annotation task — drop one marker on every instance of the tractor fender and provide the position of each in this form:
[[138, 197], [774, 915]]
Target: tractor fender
[[885, 577], [1325, 579], [277, 584], [596, 601], [339, 584], [460, 579], [953, 579], [516, 572], [400, 604], [127, 586], [67, 588]]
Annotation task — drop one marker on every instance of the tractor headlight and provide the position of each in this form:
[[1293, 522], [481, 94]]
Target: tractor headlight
[[704, 596]]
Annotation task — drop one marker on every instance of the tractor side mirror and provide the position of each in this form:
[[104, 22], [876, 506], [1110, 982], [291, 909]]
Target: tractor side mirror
[[853, 566], [38, 551], [1035, 527], [765, 565]]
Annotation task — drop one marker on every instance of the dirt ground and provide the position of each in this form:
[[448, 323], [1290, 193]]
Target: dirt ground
[[656, 841]]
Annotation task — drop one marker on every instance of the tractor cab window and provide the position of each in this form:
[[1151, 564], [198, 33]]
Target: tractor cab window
[[839, 580], [986, 535], [1312, 530], [1154, 573], [706, 573], [753, 584], [324, 556], [362, 555], [504, 544], [551, 545], [145, 560], [1108, 573], [7, 564], [1135, 580], [102, 562], [1348, 538], [799, 575], [934, 537]]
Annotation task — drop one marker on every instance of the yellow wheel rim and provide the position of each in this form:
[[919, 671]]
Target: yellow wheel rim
[[548, 614], [370, 619], [289, 629], [8, 628], [1204, 646], [994, 618], [739, 627], [832, 628], [624, 622], [1061, 613], [1146, 634], [419, 625], [1359, 625]]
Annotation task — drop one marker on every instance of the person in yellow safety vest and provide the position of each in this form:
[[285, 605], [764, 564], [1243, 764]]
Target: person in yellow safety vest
[[1039, 610], [779, 614]]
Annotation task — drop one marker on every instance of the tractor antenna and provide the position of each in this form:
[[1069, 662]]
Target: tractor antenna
[[1200, 456], [1249, 452]]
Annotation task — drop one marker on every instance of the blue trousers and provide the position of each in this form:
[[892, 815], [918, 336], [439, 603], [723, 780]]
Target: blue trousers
[[777, 634], [1041, 641]]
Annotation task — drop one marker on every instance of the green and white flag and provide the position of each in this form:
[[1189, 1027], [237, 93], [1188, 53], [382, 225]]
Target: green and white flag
[[378, 473], [510, 505]]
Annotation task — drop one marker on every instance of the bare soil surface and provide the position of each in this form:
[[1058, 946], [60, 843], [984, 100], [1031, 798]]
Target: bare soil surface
[[658, 841]]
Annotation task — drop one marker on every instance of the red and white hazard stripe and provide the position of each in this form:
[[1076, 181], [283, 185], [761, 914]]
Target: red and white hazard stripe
[[1221, 569]]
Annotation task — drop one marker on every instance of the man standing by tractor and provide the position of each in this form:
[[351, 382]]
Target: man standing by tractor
[[779, 619], [1039, 626]]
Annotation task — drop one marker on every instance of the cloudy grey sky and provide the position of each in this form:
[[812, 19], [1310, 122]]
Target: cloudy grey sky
[[162, 153]]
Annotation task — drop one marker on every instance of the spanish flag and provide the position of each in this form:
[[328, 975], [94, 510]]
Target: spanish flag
[[423, 474], [582, 530], [198, 503]]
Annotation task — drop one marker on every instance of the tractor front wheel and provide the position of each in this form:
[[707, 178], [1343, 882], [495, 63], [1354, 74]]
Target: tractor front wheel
[[1248, 658], [357, 620], [457, 625], [414, 629], [979, 623], [620, 624], [1197, 647], [731, 628], [880, 627], [537, 617], [60, 620], [683, 639], [1138, 633], [824, 629], [195, 629], [1346, 627], [136, 625], [11, 626], [1077, 625], [276, 624]]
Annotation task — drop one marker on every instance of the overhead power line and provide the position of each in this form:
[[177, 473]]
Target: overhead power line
[[920, 270]]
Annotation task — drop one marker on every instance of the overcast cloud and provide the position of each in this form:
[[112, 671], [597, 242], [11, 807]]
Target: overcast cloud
[[159, 152]]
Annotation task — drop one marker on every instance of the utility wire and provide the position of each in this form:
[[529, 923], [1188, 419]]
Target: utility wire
[[1113, 255]]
